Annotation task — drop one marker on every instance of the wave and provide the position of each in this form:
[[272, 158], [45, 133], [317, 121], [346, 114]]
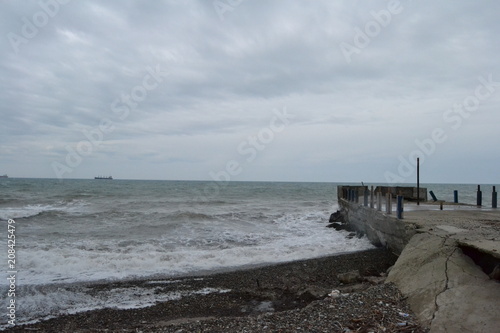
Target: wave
[[24, 211], [49, 301], [32, 210]]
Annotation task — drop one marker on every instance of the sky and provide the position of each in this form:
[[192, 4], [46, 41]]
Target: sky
[[240, 90]]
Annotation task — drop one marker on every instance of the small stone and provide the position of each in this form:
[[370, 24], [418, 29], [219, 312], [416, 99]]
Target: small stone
[[349, 277]]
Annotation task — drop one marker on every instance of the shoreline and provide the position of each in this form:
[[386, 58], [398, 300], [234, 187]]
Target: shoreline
[[280, 293]]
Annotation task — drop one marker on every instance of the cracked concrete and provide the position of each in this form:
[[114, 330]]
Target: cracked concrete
[[444, 287], [424, 260]]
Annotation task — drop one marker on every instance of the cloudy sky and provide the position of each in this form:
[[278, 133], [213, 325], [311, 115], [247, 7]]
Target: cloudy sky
[[251, 90]]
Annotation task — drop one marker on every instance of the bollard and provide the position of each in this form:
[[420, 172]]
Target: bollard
[[379, 201], [371, 197], [494, 200], [479, 196], [441, 205], [418, 181], [455, 196], [433, 196], [388, 208], [365, 197], [400, 207]]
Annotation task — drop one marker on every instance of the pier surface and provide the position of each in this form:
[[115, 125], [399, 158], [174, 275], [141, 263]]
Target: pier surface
[[449, 260]]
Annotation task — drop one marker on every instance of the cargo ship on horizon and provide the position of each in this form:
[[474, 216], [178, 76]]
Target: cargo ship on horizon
[[107, 178]]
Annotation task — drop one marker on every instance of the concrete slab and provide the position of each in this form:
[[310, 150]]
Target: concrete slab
[[447, 291], [470, 301], [437, 269], [420, 273], [451, 229], [492, 247]]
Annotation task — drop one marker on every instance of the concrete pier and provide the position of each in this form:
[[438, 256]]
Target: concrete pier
[[449, 260]]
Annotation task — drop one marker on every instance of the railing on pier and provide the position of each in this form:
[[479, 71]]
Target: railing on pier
[[374, 197], [479, 197]]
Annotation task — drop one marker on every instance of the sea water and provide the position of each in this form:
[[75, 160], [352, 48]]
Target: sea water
[[72, 234]]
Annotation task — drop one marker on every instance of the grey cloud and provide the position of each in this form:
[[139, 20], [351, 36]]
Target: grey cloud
[[227, 76]]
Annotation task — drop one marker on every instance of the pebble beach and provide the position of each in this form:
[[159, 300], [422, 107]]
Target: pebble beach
[[341, 293]]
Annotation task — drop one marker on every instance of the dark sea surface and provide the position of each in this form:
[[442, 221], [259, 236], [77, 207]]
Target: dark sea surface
[[72, 234]]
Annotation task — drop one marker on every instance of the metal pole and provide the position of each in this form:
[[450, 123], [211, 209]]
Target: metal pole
[[479, 196], [371, 197], [494, 200], [400, 207], [418, 181], [388, 203]]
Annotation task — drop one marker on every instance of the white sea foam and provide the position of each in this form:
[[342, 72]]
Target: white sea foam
[[290, 237], [46, 270], [31, 210], [78, 232], [23, 212], [44, 302]]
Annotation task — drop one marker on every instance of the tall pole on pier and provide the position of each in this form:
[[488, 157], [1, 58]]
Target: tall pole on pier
[[418, 181]]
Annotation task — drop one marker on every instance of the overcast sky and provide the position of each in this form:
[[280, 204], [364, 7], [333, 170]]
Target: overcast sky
[[251, 90]]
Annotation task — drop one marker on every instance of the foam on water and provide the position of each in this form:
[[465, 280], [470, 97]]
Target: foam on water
[[47, 269], [23, 212], [26, 211], [49, 301], [72, 235], [290, 237]]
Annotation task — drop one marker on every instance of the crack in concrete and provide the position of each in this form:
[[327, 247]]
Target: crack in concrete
[[446, 286]]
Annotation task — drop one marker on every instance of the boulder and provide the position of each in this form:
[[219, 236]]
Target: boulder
[[336, 217]]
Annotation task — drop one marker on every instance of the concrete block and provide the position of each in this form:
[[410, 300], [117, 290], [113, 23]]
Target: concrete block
[[445, 289], [420, 273]]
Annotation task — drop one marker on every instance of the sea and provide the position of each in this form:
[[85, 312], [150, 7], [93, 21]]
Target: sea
[[73, 234]]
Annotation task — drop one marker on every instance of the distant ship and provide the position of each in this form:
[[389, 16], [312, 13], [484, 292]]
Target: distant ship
[[100, 177], [4, 176]]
